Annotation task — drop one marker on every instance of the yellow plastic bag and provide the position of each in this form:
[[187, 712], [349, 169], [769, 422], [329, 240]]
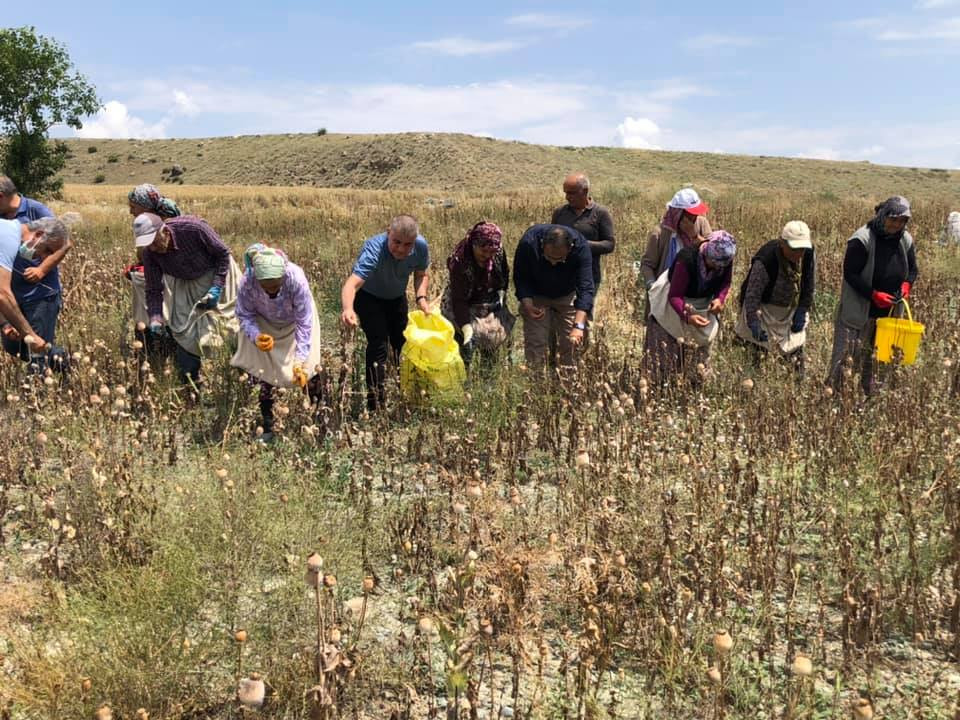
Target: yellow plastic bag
[[430, 360]]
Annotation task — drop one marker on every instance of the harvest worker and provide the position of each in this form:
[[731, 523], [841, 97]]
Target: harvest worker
[[553, 277], [777, 294], [684, 309], [35, 280], [187, 255], [475, 298], [684, 224], [28, 329], [593, 221], [374, 296], [146, 198], [280, 339], [950, 235], [879, 269]]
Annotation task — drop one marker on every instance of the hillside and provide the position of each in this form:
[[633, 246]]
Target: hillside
[[451, 162]]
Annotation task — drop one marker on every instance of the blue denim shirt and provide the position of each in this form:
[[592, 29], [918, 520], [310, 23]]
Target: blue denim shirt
[[27, 292]]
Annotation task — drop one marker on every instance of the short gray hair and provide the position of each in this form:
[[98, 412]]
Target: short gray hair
[[7, 186], [404, 226], [55, 231]]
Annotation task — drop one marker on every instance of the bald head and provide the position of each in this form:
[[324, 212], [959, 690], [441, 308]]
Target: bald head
[[576, 187]]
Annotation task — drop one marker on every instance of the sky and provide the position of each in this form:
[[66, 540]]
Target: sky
[[846, 80]]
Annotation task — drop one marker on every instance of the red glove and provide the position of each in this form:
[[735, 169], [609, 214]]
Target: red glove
[[905, 290], [882, 300]]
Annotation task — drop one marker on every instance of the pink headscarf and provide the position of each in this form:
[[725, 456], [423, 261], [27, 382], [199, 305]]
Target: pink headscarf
[[483, 234]]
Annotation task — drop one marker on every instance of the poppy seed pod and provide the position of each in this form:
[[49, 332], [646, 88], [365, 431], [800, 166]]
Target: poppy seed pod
[[802, 666], [314, 563], [142, 714], [240, 636], [582, 459], [722, 642], [368, 583], [863, 709], [713, 675], [251, 692], [103, 713]]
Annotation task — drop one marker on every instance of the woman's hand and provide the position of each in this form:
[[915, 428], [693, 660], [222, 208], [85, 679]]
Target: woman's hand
[[716, 306], [697, 320]]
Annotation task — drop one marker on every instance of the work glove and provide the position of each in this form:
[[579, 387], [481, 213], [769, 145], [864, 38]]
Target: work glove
[[759, 334], [130, 269], [882, 300], [467, 332], [212, 297], [299, 375], [264, 342], [799, 320], [904, 290]]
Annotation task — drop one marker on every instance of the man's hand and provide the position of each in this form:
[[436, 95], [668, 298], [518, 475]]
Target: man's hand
[[37, 345], [530, 310], [697, 320], [33, 275], [716, 306], [349, 318], [576, 336], [10, 332]]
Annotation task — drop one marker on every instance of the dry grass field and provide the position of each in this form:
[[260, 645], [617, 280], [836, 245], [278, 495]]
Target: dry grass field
[[549, 548]]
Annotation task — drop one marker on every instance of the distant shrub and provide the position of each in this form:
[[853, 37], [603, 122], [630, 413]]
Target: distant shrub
[[100, 178], [92, 149], [322, 131], [113, 159]]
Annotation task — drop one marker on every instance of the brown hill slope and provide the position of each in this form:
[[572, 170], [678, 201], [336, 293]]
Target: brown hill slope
[[451, 162]]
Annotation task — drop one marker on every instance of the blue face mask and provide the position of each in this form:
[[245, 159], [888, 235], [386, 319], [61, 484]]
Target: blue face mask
[[27, 252]]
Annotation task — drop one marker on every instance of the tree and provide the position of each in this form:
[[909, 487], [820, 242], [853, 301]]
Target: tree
[[39, 88]]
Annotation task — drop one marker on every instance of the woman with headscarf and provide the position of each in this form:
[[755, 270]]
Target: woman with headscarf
[[684, 224], [475, 298], [685, 302], [879, 269], [279, 339], [950, 235], [146, 198]]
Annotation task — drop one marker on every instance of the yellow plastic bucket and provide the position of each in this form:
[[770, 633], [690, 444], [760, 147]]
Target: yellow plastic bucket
[[898, 339]]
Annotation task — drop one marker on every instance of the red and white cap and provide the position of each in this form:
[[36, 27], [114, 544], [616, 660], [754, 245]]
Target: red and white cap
[[687, 199]]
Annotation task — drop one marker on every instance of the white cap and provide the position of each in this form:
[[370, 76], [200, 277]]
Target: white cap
[[687, 199], [797, 235], [145, 226]]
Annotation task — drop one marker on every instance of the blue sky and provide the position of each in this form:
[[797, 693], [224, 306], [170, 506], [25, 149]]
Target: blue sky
[[839, 80]]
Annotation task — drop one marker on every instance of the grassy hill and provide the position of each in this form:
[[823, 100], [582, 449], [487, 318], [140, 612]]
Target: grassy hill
[[453, 162]]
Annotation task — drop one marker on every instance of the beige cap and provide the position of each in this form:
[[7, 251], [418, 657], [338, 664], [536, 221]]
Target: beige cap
[[797, 235]]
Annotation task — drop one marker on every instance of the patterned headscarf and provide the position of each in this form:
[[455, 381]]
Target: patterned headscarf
[[483, 234], [719, 249], [147, 196], [893, 207], [264, 263]]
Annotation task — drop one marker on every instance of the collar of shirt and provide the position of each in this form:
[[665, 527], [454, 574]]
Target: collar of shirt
[[590, 205]]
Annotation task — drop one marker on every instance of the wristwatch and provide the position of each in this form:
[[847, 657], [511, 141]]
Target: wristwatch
[[580, 326]]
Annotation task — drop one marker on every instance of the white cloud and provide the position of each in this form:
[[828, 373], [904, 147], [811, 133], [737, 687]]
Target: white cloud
[[544, 21], [458, 46], [715, 41], [184, 104], [946, 29], [935, 4], [115, 121], [638, 133]]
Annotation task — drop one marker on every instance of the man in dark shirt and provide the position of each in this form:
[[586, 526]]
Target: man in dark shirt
[[591, 220], [552, 274]]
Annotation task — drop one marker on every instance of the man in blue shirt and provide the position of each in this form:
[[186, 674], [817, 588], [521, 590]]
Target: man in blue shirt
[[375, 295], [35, 282], [553, 277], [38, 238]]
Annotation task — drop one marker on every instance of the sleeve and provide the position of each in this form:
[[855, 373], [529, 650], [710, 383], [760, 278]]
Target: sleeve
[[523, 265], [912, 271], [678, 288], [219, 253], [153, 280], [727, 281], [555, 218], [41, 211], [808, 279], [651, 257], [8, 258], [703, 226], [459, 295], [854, 260], [368, 259], [504, 272], [303, 313], [425, 262], [605, 243], [757, 282], [585, 286], [246, 314]]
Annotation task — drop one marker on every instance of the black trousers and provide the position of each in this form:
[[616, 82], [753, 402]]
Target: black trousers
[[383, 322]]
